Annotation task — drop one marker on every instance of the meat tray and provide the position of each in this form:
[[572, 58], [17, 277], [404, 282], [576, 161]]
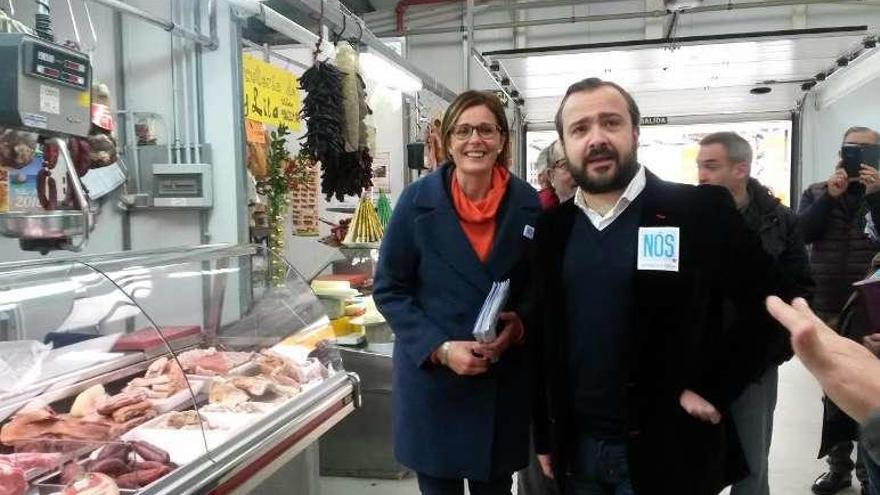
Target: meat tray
[[182, 397], [184, 446]]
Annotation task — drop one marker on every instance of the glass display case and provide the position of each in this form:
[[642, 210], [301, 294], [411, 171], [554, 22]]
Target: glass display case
[[172, 371]]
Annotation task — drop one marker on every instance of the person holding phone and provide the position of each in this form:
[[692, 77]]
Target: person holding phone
[[832, 215]]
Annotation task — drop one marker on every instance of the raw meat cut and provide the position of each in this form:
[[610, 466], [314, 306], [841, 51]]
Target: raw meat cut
[[212, 362], [92, 484], [28, 461], [12, 480]]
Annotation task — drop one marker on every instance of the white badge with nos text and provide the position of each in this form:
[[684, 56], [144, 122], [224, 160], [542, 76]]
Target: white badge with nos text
[[659, 248]]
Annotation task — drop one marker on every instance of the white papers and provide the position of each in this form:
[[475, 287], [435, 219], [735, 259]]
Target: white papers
[[484, 328]]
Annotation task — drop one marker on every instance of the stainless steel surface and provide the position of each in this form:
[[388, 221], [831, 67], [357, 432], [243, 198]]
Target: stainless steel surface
[[59, 387], [211, 470], [209, 42], [145, 258], [361, 445], [81, 198], [198, 172], [49, 225]]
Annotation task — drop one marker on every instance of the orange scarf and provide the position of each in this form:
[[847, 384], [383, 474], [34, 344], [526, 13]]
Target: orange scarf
[[477, 218]]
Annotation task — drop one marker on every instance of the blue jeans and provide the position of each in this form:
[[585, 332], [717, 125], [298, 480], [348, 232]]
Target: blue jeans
[[430, 485], [601, 468], [873, 471]]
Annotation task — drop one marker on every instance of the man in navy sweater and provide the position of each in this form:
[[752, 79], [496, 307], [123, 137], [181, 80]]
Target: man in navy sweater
[[636, 360]]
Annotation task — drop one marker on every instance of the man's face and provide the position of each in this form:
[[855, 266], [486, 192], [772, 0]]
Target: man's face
[[600, 140], [714, 167], [860, 138]]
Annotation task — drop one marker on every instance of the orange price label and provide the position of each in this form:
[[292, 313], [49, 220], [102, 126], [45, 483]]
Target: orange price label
[[256, 133]]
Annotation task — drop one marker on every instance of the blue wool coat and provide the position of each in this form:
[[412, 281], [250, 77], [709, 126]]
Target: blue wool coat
[[430, 286]]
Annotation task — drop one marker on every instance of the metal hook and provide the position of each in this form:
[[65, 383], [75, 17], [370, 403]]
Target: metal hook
[[360, 33], [73, 22], [342, 32], [320, 34], [91, 26]]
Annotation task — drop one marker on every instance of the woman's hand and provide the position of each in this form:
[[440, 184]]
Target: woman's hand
[[463, 357], [512, 333]]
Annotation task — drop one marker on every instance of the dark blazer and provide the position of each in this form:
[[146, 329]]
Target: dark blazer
[[783, 241], [679, 342], [430, 286]]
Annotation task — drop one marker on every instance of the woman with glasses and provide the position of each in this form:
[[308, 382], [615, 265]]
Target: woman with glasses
[[460, 408]]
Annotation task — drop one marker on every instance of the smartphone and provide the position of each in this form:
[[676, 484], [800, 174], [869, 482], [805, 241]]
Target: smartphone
[[854, 155], [851, 154]]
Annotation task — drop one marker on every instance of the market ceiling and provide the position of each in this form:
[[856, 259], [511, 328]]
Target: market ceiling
[[687, 77]]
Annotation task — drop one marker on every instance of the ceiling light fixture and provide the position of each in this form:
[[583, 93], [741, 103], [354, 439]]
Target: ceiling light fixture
[[384, 72]]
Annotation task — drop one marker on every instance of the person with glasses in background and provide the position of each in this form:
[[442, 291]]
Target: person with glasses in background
[[460, 408]]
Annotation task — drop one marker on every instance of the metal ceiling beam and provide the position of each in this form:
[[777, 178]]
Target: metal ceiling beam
[[684, 40], [629, 15]]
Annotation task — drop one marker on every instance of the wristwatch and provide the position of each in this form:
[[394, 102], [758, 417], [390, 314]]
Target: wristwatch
[[444, 352]]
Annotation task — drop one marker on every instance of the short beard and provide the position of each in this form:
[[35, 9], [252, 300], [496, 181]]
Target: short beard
[[626, 170]]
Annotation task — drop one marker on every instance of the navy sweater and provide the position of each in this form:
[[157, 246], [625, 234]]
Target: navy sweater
[[598, 272]]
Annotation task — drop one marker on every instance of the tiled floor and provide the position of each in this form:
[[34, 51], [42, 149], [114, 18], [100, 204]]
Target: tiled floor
[[793, 463]]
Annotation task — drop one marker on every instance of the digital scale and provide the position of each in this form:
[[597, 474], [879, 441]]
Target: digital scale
[[45, 89]]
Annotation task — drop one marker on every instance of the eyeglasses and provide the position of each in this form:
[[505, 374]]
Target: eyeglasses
[[485, 131]]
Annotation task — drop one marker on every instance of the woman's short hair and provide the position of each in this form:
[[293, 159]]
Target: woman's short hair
[[470, 99]]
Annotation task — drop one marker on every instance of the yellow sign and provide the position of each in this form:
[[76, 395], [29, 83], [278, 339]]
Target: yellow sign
[[271, 95]]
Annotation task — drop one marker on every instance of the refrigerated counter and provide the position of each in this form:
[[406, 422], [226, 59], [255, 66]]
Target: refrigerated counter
[[171, 371]]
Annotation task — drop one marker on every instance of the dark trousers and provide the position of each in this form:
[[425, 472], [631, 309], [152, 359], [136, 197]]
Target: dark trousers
[[430, 485], [839, 461], [531, 480], [601, 468]]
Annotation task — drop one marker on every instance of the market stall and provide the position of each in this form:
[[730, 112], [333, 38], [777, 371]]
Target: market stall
[[171, 371]]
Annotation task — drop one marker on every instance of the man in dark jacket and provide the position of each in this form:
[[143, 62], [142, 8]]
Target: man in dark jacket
[[634, 372], [725, 159], [832, 217]]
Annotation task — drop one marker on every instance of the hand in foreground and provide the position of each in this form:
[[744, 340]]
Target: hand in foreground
[[848, 373], [872, 342], [512, 333], [464, 358], [699, 407], [546, 465], [870, 177], [838, 182]]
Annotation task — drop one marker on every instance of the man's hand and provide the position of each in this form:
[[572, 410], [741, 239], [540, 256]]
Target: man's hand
[[699, 407], [464, 358], [512, 333], [848, 373], [870, 177], [546, 465], [838, 182]]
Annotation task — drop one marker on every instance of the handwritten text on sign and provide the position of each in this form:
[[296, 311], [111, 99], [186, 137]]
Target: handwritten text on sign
[[271, 95]]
